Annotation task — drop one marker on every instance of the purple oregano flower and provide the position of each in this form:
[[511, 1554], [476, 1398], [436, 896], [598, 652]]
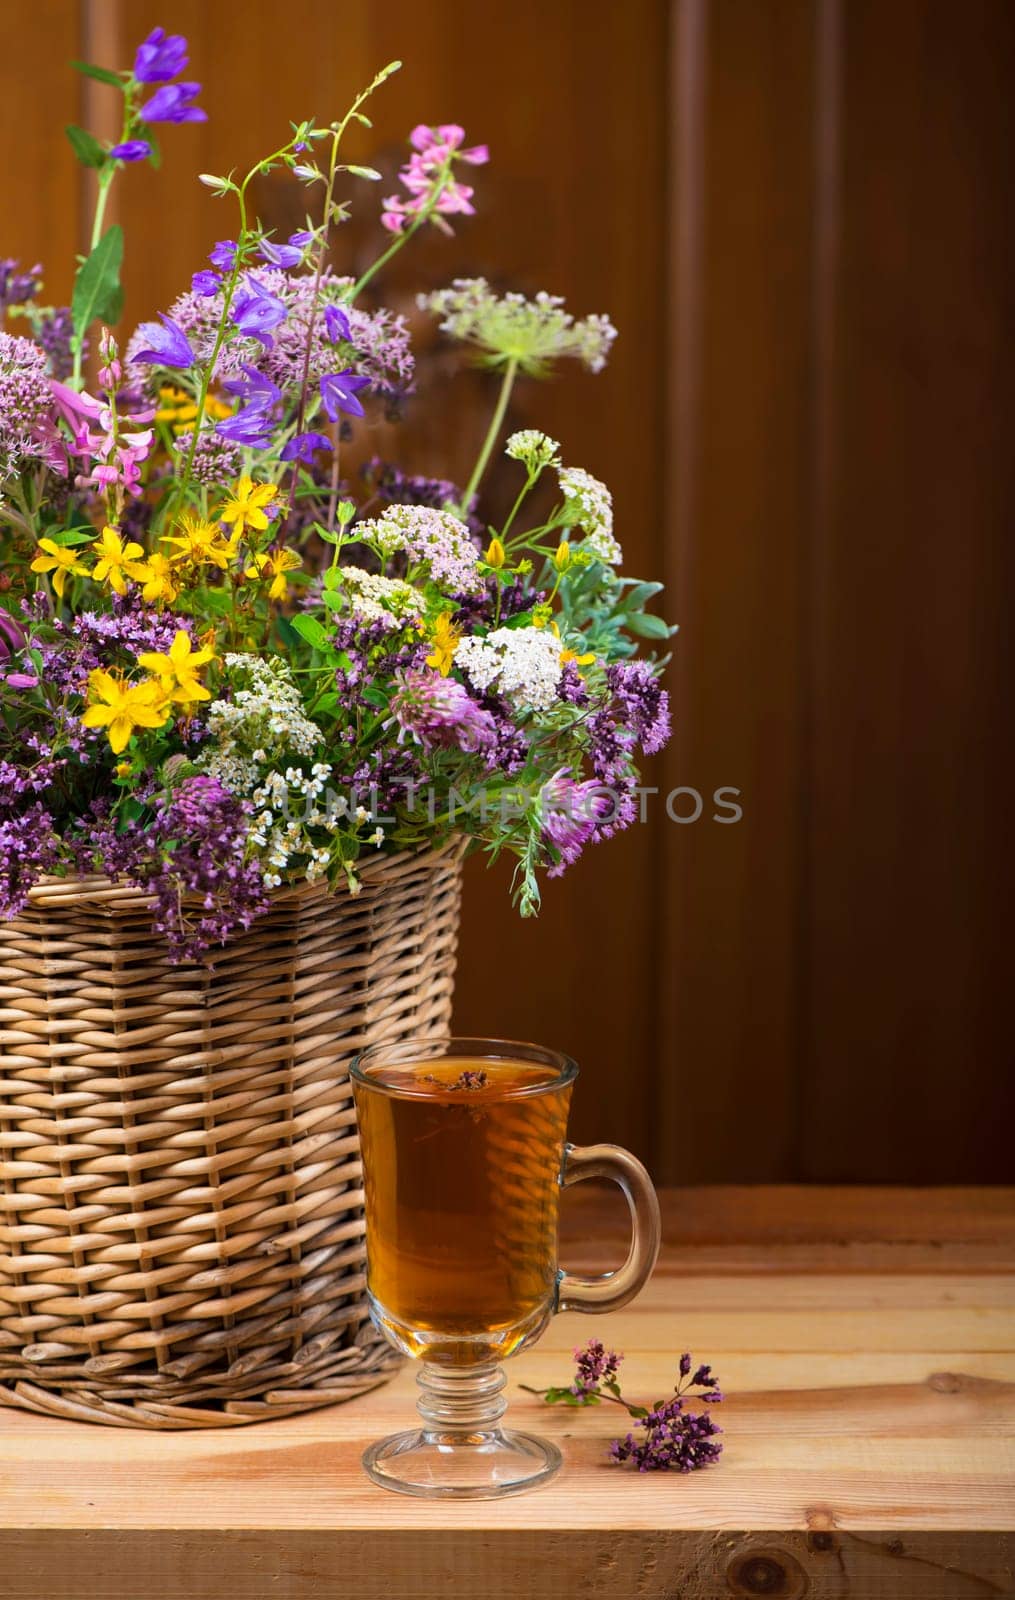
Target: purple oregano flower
[[672, 1439], [161, 57]]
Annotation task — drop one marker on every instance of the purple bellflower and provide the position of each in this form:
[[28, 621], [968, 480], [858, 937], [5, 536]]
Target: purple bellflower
[[168, 345], [174, 103], [206, 282], [339, 392], [255, 311], [337, 324], [224, 255], [254, 424], [160, 57], [286, 256], [131, 150], [302, 447]]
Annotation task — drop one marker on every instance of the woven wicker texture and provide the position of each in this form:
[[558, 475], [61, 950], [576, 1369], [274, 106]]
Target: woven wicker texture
[[181, 1226]]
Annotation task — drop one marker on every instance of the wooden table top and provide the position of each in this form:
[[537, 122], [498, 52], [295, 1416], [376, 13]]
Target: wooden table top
[[866, 1343]]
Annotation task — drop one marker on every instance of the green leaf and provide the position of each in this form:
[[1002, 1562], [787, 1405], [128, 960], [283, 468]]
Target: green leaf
[[551, 1396], [219, 600], [335, 601], [639, 595], [86, 147], [66, 536], [97, 291], [286, 633], [311, 630], [648, 627], [100, 74], [156, 156], [638, 1411]]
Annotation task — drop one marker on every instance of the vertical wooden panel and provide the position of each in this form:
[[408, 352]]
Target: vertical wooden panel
[[909, 1038], [817, 990], [39, 95], [730, 988]]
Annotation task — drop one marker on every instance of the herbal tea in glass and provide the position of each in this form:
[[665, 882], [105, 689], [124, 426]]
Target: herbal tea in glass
[[464, 1155]]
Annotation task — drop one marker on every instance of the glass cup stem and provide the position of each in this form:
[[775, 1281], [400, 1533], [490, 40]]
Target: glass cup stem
[[457, 1403]]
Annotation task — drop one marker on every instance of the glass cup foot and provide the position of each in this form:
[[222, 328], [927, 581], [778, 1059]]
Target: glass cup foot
[[478, 1466], [460, 1453]]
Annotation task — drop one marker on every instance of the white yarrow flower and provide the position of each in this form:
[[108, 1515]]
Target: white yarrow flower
[[522, 664], [376, 599], [588, 504], [533, 449]]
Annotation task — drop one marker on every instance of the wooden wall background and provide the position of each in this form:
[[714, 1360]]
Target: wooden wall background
[[798, 213]]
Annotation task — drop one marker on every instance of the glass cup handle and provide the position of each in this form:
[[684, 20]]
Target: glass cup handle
[[613, 1289]]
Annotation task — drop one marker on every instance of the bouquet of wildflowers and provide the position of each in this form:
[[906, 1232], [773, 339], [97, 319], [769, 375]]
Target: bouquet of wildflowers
[[225, 666]]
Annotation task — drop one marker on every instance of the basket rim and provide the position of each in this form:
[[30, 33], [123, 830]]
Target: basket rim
[[96, 887]]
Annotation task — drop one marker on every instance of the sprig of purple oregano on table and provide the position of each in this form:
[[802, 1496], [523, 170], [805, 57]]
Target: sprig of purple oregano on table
[[674, 1439]]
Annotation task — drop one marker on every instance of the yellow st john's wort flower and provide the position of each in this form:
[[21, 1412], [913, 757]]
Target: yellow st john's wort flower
[[61, 560], [158, 578], [542, 617], [180, 409], [274, 565], [120, 707], [562, 556], [176, 670], [200, 544], [246, 508], [445, 639], [495, 555], [572, 655], [117, 561]]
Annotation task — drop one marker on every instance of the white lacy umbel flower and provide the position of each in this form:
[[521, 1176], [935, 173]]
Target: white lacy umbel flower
[[428, 536], [588, 504], [375, 599], [265, 713], [531, 333], [533, 449], [522, 664]]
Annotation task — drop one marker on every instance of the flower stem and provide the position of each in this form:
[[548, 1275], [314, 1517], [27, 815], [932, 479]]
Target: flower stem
[[106, 177], [496, 422]]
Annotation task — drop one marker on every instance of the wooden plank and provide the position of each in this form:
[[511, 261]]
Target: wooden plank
[[822, 1565], [818, 1229], [869, 1445]]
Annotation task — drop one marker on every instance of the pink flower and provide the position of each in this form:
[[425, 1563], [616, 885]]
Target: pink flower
[[429, 178], [114, 457]]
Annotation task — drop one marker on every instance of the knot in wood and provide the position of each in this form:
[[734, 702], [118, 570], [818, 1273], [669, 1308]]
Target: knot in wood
[[763, 1572]]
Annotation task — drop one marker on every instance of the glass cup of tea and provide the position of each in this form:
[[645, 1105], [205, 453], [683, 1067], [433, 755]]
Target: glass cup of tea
[[464, 1155]]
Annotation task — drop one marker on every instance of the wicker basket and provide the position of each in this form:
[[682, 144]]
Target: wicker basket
[[181, 1227]]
